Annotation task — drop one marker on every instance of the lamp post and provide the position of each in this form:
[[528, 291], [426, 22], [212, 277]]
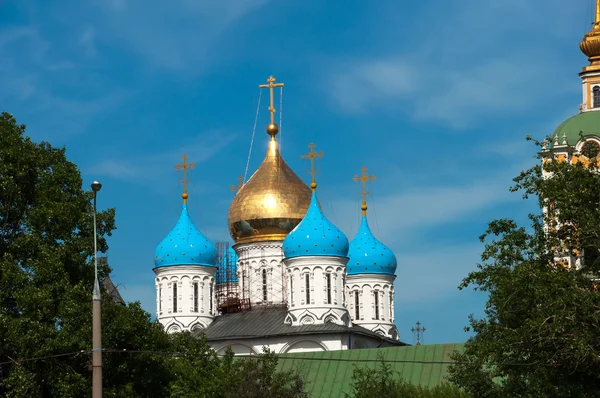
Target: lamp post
[[96, 325]]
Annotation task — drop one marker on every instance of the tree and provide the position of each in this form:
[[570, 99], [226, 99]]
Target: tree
[[541, 333], [199, 372], [46, 277], [382, 382], [258, 378]]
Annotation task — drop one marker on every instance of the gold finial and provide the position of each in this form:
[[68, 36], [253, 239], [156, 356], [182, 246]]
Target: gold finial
[[272, 128], [590, 45], [363, 179], [312, 155], [235, 188], [185, 166]]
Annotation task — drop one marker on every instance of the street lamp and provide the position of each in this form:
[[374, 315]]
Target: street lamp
[[96, 314]]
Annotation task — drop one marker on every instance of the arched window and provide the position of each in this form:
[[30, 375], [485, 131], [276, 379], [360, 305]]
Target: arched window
[[210, 296], [264, 283], [590, 149], [174, 296], [328, 287], [356, 306], [596, 93], [292, 289], [160, 298], [195, 296], [376, 303], [307, 284]]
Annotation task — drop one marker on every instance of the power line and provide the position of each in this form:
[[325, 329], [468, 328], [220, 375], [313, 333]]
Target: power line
[[173, 353], [19, 361]]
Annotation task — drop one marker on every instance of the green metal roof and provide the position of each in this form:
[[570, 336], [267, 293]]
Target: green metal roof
[[329, 373], [586, 122]]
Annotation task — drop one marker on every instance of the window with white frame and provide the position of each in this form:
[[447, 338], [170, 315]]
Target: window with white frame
[[210, 297], [328, 286], [264, 285], [307, 284], [376, 303], [174, 296], [160, 298], [195, 297], [292, 290]]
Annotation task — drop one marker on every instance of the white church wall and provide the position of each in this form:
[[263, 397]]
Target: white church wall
[[284, 344], [371, 302], [259, 263], [193, 305], [315, 290]]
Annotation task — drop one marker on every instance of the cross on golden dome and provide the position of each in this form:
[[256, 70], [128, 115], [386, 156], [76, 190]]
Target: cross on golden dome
[[364, 178], [272, 129], [185, 166], [312, 155], [235, 188]]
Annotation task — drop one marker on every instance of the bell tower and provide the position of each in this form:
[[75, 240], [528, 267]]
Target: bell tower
[[590, 74]]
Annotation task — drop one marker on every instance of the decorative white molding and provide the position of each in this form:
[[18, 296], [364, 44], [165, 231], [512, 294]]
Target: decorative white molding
[[376, 302], [191, 308], [322, 300]]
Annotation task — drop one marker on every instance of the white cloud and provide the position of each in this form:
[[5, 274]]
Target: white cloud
[[456, 95], [87, 40], [395, 215], [479, 59], [147, 167], [34, 79], [178, 35], [433, 273], [114, 168]]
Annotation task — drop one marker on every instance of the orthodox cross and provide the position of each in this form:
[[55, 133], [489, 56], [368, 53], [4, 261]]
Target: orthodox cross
[[418, 331], [363, 179], [312, 155], [235, 188], [185, 166], [270, 86]]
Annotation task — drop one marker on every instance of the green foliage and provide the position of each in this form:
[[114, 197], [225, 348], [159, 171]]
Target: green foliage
[[46, 278], [45, 241], [541, 333], [257, 377], [384, 383], [199, 372]]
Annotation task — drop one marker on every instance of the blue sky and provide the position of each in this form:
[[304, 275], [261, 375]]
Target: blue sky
[[435, 98]]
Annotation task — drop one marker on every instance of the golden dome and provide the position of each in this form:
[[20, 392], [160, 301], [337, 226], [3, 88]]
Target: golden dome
[[271, 203], [590, 45]]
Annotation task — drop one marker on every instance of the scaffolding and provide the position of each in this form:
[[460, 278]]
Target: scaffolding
[[263, 283], [228, 295]]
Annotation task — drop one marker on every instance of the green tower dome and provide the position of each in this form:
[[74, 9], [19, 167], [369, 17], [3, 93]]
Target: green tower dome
[[584, 123]]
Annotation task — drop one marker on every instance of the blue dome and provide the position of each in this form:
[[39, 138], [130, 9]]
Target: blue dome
[[315, 235], [368, 255], [185, 245], [227, 267]]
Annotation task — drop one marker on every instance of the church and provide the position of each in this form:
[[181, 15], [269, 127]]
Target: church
[[577, 139], [291, 282]]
